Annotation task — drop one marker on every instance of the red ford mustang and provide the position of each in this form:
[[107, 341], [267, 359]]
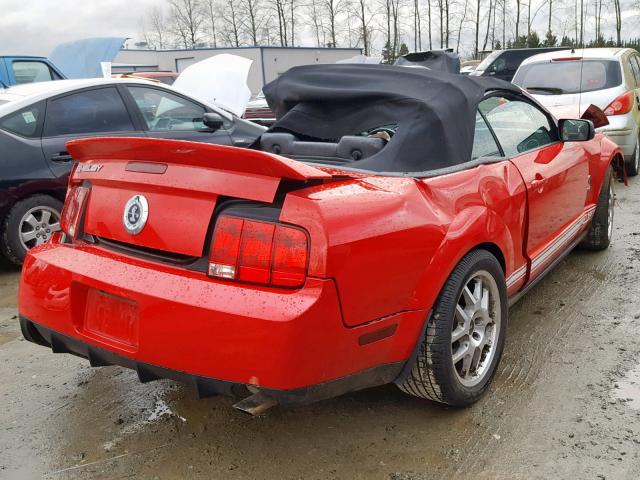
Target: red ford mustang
[[377, 233]]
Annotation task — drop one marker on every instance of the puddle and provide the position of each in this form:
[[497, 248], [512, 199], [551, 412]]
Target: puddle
[[628, 388]]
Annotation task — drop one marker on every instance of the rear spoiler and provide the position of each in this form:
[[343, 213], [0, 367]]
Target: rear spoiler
[[217, 157]]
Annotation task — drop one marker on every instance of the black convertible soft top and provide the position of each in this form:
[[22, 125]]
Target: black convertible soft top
[[432, 113]]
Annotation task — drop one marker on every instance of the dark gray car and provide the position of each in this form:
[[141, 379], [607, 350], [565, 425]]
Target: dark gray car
[[37, 120]]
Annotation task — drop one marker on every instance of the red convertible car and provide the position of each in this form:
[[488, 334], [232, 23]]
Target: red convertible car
[[377, 233]]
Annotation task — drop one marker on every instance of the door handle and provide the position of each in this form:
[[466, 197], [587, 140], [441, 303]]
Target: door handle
[[538, 183], [61, 157]]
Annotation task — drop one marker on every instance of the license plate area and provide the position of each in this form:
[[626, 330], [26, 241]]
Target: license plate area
[[111, 319]]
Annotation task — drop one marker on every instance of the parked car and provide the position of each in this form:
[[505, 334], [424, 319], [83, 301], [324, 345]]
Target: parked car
[[258, 111], [373, 237], [37, 120], [503, 64], [166, 77], [20, 69], [608, 78], [469, 66]]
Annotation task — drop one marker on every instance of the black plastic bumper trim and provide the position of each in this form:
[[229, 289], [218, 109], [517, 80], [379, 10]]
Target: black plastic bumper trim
[[207, 386]]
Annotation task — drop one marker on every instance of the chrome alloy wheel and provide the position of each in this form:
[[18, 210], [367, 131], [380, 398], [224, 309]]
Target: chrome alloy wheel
[[476, 326], [37, 226], [612, 201]]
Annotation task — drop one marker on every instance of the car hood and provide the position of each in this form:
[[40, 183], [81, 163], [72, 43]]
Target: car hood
[[82, 58], [221, 79]]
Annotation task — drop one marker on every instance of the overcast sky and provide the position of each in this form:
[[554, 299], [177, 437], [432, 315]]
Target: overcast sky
[[37, 26]]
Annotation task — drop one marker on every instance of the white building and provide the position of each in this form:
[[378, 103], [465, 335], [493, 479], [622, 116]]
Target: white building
[[268, 62]]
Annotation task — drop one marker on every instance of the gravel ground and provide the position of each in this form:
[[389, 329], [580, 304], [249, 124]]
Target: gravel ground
[[565, 402]]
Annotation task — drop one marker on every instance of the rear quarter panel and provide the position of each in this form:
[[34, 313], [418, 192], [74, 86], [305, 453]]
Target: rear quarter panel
[[391, 242]]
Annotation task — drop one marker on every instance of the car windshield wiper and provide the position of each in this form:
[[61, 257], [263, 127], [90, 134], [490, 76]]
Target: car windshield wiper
[[551, 90]]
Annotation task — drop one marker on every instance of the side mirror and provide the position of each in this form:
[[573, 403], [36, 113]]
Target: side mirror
[[213, 120], [576, 130]]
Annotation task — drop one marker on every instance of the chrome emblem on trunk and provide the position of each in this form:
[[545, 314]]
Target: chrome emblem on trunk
[[135, 214]]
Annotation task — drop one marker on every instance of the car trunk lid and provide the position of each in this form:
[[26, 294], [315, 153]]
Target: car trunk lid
[[181, 183]]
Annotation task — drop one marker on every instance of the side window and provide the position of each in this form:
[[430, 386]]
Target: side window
[[29, 72], [25, 122], [165, 111], [499, 65], [634, 60], [91, 111], [519, 126], [484, 145]]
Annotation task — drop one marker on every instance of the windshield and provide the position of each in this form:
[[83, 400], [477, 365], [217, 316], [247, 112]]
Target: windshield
[[488, 61], [565, 77]]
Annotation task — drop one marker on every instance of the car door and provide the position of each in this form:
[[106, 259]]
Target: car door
[[169, 115], [556, 175], [85, 113], [634, 67], [21, 160]]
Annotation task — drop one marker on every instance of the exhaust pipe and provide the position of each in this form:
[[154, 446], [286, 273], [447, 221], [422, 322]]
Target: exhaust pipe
[[256, 404]]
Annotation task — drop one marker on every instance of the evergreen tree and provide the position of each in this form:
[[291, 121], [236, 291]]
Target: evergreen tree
[[550, 40], [533, 41], [388, 56]]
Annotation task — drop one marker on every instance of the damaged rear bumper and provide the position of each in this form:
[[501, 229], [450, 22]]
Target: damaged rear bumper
[[206, 386], [222, 338]]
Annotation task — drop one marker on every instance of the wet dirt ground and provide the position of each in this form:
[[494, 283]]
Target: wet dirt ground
[[565, 403]]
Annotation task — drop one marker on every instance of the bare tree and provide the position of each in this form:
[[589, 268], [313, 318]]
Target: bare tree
[[429, 19], [417, 37], [462, 20], [616, 7], [441, 15], [332, 8], [155, 29], [189, 17], [281, 11], [517, 19], [253, 15], [292, 12], [477, 29], [486, 35], [232, 22], [212, 16], [317, 22], [362, 12]]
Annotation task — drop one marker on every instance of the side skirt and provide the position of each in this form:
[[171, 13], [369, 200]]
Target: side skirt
[[518, 295]]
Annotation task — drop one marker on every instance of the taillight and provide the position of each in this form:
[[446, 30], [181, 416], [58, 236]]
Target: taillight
[[621, 105], [258, 252], [72, 210]]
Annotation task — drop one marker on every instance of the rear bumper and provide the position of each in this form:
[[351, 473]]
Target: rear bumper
[[211, 332], [623, 131], [206, 386]]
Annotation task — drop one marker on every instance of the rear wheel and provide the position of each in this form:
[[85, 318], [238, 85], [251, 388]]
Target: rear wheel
[[632, 165], [29, 223], [601, 227], [464, 338]]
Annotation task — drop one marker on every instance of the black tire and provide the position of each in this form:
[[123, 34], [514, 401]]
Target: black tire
[[601, 226], [434, 375], [10, 243], [632, 165]]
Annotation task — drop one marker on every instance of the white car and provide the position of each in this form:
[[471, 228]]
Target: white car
[[609, 78]]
